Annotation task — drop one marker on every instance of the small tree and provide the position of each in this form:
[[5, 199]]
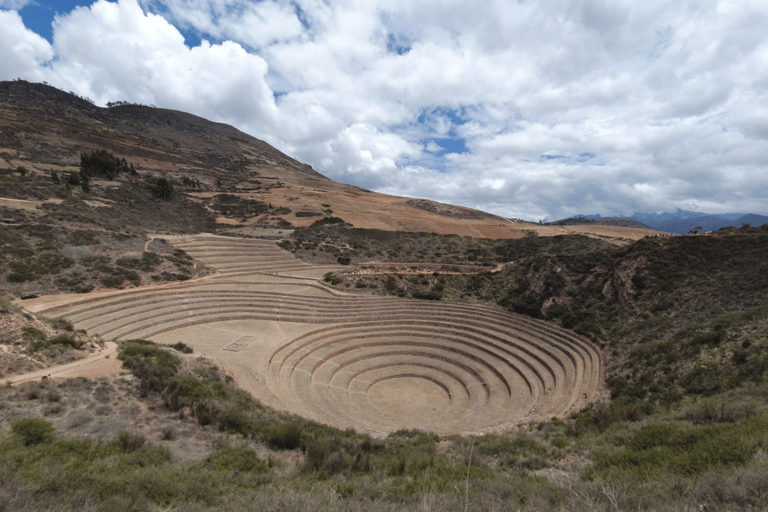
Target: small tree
[[33, 431], [103, 163], [162, 189]]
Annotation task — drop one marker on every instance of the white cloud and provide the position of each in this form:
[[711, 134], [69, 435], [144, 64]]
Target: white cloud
[[254, 24], [13, 5], [115, 51], [573, 106], [24, 52]]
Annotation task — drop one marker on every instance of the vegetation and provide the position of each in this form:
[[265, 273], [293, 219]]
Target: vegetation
[[161, 188], [682, 322], [677, 459], [101, 163]]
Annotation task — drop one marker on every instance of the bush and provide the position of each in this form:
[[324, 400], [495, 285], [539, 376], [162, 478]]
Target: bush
[[129, 442], [66, 340], [147, 263], [710, 411], [61, 323], [235, 421], [326, 222], [33, 431], [182, 347], [662, 448], [235, 458], [284, 437], [152, 365], [332, 279], [31, 270]]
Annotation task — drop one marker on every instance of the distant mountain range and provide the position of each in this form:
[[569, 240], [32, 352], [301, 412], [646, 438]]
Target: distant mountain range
[[682, 221]]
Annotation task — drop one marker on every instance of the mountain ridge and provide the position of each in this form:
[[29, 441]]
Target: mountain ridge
[[682, 221]]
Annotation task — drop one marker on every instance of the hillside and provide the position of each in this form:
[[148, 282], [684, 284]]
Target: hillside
[[289, 343]]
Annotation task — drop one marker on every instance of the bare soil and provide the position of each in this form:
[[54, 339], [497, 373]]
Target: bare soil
[[375, 364]]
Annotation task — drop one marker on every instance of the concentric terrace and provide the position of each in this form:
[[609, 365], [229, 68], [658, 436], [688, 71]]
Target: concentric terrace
[[374, 364]]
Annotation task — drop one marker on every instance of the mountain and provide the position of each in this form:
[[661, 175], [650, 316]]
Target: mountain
[[711, 223], [655, 220], [677, 222], [222, 177], [600, 221], [45, 130], [752, 219], [705, 222]]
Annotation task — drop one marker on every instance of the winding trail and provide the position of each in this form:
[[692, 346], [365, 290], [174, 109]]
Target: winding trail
[[102, 363]]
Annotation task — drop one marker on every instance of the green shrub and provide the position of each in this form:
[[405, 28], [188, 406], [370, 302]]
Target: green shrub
[[710, 411], [33, 431], [147, 263], [235, 458], [60, 323], [66, 340], [662, 448], [332, 279], [129, 442], [80, 237], [44, 264], [182, 347], [34, 334], [327, 221], [205, 413], [235, 421], [151, 364], [284, 437]]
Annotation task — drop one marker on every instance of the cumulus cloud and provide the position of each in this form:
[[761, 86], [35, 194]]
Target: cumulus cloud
[[534, 110], [116, 51], [24, 52]]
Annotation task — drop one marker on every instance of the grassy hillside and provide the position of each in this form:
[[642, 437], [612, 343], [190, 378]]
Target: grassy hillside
[[182, 437]]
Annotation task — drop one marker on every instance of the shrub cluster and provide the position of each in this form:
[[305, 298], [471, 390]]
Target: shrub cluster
[[33, 269], [66, 340], [661, 448], [103, 163]]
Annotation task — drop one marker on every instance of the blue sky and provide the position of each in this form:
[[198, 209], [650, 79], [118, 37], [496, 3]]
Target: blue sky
[[535, 110]]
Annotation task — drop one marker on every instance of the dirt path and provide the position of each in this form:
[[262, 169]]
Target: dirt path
[[100, 364]]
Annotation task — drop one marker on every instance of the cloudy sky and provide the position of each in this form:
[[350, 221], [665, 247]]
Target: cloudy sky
[[535, 110]]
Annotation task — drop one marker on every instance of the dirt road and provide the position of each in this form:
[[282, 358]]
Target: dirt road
[[100, 364]]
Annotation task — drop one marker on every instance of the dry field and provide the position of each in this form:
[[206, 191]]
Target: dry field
[[375, 364]]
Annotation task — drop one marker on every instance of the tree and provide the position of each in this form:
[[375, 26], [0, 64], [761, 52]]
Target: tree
[[162, 189], [103, 163], [84, 184]]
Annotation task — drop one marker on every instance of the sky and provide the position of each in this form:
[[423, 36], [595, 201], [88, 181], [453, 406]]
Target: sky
[[525, 109]]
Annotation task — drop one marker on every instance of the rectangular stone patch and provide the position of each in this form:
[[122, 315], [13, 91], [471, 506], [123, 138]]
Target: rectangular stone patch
[[240, 344]]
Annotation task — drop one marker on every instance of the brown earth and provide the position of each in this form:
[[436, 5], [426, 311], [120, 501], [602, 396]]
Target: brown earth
[[372, 363], [44, 130], [375, 364]]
